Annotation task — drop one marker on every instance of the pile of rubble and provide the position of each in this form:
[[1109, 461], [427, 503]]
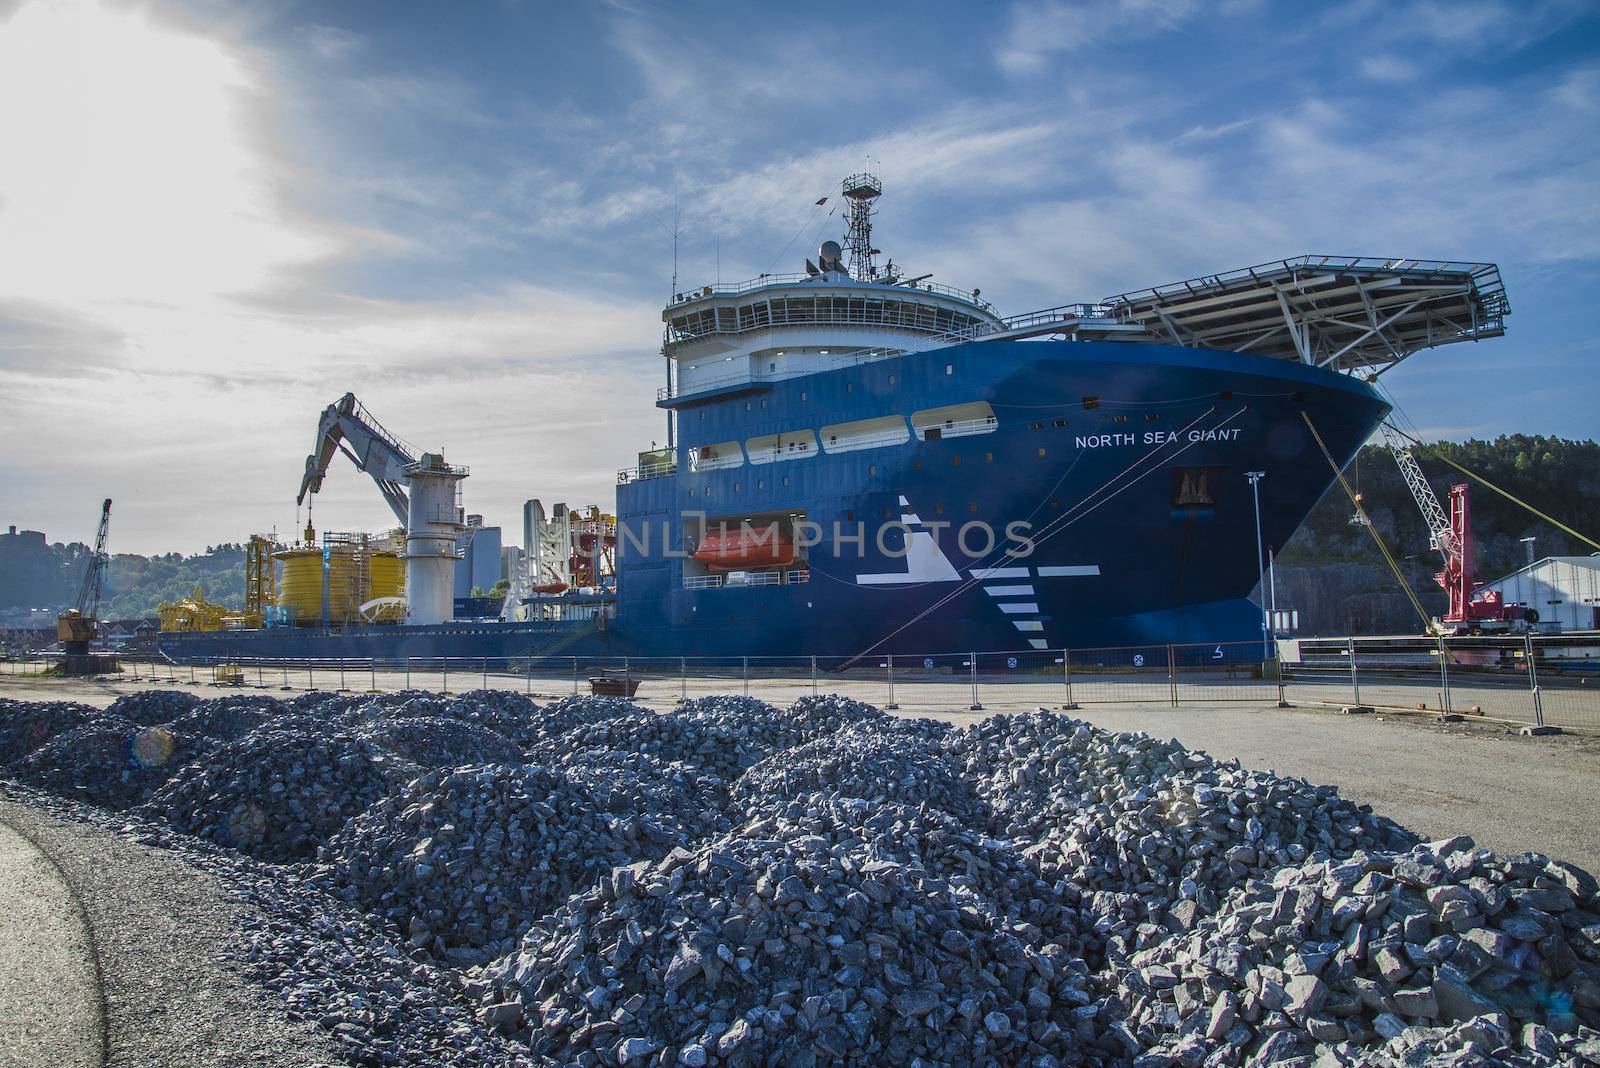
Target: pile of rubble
[[1385, 957], [467, 859], [777, 945], [281, 790], [590, 882]]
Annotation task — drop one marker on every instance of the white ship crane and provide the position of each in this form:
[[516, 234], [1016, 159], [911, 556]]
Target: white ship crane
[[423, 492]]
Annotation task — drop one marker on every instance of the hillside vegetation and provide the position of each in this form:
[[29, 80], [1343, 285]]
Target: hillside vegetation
[[134, 584]]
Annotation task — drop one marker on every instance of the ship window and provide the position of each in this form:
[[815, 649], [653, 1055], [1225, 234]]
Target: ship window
[[716, 457], [702, 415], [872, 469], [949, 368], [1119, 419], [988, 457], [1152, 417], [738, 487], [972, 506], [1058, 423], [1036, 426], [1090, 402], [789, 445], [691, 493], [802, 396], [955, 461], [955, 420], [1055, 502], [938, 508], [761, 483], [1041, 454], [916, 465], [887, 513], [763, 402], [865, 434], [891, 380], [785, 480], [747, 406], [849, 517], [1226, 394], [772, 367]]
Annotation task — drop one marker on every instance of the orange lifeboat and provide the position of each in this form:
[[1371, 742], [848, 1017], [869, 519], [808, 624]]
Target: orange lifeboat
[[737, 550], [550, 587]]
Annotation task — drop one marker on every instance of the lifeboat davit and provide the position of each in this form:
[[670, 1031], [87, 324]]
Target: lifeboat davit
[[738, 550]]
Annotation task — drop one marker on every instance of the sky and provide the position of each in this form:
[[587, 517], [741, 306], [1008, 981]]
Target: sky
[[216, 219]]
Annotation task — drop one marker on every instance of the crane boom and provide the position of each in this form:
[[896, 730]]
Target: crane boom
[[1440, 534], [88, 603], [349, 428]]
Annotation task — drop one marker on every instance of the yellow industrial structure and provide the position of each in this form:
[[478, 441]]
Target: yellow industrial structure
[[192, 613]]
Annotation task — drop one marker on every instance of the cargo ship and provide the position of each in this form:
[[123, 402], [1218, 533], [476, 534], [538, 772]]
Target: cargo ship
[[862, 462]]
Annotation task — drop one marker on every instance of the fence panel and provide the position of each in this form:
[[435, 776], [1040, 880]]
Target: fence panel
[[1568, 678], [1227, 671], [1124, 673]]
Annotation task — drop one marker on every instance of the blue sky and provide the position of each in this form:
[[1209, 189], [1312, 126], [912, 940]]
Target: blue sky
[[217, 218]]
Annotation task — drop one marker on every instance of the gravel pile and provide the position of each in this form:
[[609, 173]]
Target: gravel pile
[[434, 742], [477, 879], [675, 796], [467, 859], [150, 708], [107, 763], [282, 790], [1426, 954], [871, 761], [787, 949], [1158, 832], [27, 725], [226, 719]]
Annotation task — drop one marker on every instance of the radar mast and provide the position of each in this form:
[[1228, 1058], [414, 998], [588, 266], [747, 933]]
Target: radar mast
[[861, 190]]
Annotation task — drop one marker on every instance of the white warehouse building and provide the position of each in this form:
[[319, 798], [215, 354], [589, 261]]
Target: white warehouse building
[[1564, 590]]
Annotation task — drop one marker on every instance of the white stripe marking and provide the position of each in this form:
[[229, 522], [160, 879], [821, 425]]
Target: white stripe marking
[[910, 519], [1010, 591], [1072, 571], [1019, 607], [1037, 643], [1027, 624], [999, 572]]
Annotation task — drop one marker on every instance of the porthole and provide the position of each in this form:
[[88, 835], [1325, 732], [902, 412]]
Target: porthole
[[1041, 454]]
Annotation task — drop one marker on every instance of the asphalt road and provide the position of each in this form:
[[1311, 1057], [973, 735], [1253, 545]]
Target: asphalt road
[[141, 976]]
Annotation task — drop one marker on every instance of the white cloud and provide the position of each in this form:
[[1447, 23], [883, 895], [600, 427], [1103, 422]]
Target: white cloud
[[1389, 69], [1040, 29], [331, 42]]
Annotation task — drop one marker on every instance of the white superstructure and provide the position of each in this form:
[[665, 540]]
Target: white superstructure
[[433, 521]]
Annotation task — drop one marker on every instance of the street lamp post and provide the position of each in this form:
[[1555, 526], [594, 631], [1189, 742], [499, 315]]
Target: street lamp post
[[1255, 478]]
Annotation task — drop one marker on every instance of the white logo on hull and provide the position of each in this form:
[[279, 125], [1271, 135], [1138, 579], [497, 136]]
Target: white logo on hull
[[925, 561]]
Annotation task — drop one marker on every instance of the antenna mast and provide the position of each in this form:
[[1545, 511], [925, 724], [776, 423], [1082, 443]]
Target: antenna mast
[[861, 190]]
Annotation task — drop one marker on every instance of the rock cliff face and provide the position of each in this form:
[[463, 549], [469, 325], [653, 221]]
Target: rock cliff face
[[1356, 598]]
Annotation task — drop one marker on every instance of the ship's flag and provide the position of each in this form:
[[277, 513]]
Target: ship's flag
[[821, 202]]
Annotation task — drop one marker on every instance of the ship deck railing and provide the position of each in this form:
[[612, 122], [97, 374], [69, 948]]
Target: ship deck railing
[[739, 378], [958, 428], [730, 289], [793, 577], [646, 471]]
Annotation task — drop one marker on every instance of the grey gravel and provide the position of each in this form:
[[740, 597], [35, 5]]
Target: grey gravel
[[483, 880]]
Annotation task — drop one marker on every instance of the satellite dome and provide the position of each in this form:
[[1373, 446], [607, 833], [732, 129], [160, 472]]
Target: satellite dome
[[829, 254]]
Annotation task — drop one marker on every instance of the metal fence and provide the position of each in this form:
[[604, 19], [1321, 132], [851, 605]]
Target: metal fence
[[1539, 680], [1521, 679]]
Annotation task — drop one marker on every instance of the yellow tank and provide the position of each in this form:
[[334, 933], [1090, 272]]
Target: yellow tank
[[301, 588], [388, 576]]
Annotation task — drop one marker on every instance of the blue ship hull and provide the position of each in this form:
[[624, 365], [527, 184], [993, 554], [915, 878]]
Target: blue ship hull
[[1127, 463]]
